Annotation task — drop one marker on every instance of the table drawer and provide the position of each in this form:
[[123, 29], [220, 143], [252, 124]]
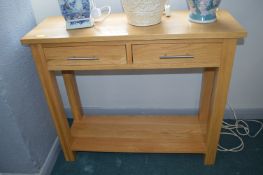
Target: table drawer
[[197, 54], [86, 55]]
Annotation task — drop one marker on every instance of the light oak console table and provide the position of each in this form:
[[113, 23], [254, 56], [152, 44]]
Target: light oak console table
[[115, 45]]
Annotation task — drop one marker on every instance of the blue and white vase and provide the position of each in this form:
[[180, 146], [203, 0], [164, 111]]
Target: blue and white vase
[[77, 13], [203, 11]]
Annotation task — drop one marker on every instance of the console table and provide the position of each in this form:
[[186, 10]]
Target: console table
[[115, 45]]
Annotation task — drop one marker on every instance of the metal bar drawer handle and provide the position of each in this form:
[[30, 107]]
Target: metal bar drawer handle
[[176, 57], [83, 58]]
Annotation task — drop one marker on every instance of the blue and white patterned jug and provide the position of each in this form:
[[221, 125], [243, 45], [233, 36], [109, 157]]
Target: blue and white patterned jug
[[203, 11], [77, 13], [80, 13]]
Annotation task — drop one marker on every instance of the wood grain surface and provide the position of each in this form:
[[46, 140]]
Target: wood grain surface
[[116, 28], [152, 134]]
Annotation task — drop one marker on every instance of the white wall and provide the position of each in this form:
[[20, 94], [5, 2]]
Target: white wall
[[50, 7], [175, 91]]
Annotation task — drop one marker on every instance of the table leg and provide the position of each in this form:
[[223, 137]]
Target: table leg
[[206, 93], [219, 99], [73, 94], [55, 104]]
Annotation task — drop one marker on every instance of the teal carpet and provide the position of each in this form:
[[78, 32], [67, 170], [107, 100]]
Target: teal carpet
[[247, 162]]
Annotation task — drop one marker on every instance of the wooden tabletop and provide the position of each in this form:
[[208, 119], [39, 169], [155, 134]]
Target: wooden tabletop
[[115, 27]]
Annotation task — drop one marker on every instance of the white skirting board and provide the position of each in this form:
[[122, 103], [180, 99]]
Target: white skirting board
[[51, 158], [49, 162], [256, 113]]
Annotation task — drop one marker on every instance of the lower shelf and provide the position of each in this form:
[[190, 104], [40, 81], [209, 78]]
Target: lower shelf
[[147, 134]]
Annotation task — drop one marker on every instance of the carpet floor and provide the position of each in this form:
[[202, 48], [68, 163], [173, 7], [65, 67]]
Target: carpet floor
[[247, 162]]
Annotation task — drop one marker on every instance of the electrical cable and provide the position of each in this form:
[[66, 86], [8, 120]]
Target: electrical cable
[[238, 129]]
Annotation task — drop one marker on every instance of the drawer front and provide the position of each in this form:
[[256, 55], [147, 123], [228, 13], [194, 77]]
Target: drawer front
[[86, 55], [207, 54]]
